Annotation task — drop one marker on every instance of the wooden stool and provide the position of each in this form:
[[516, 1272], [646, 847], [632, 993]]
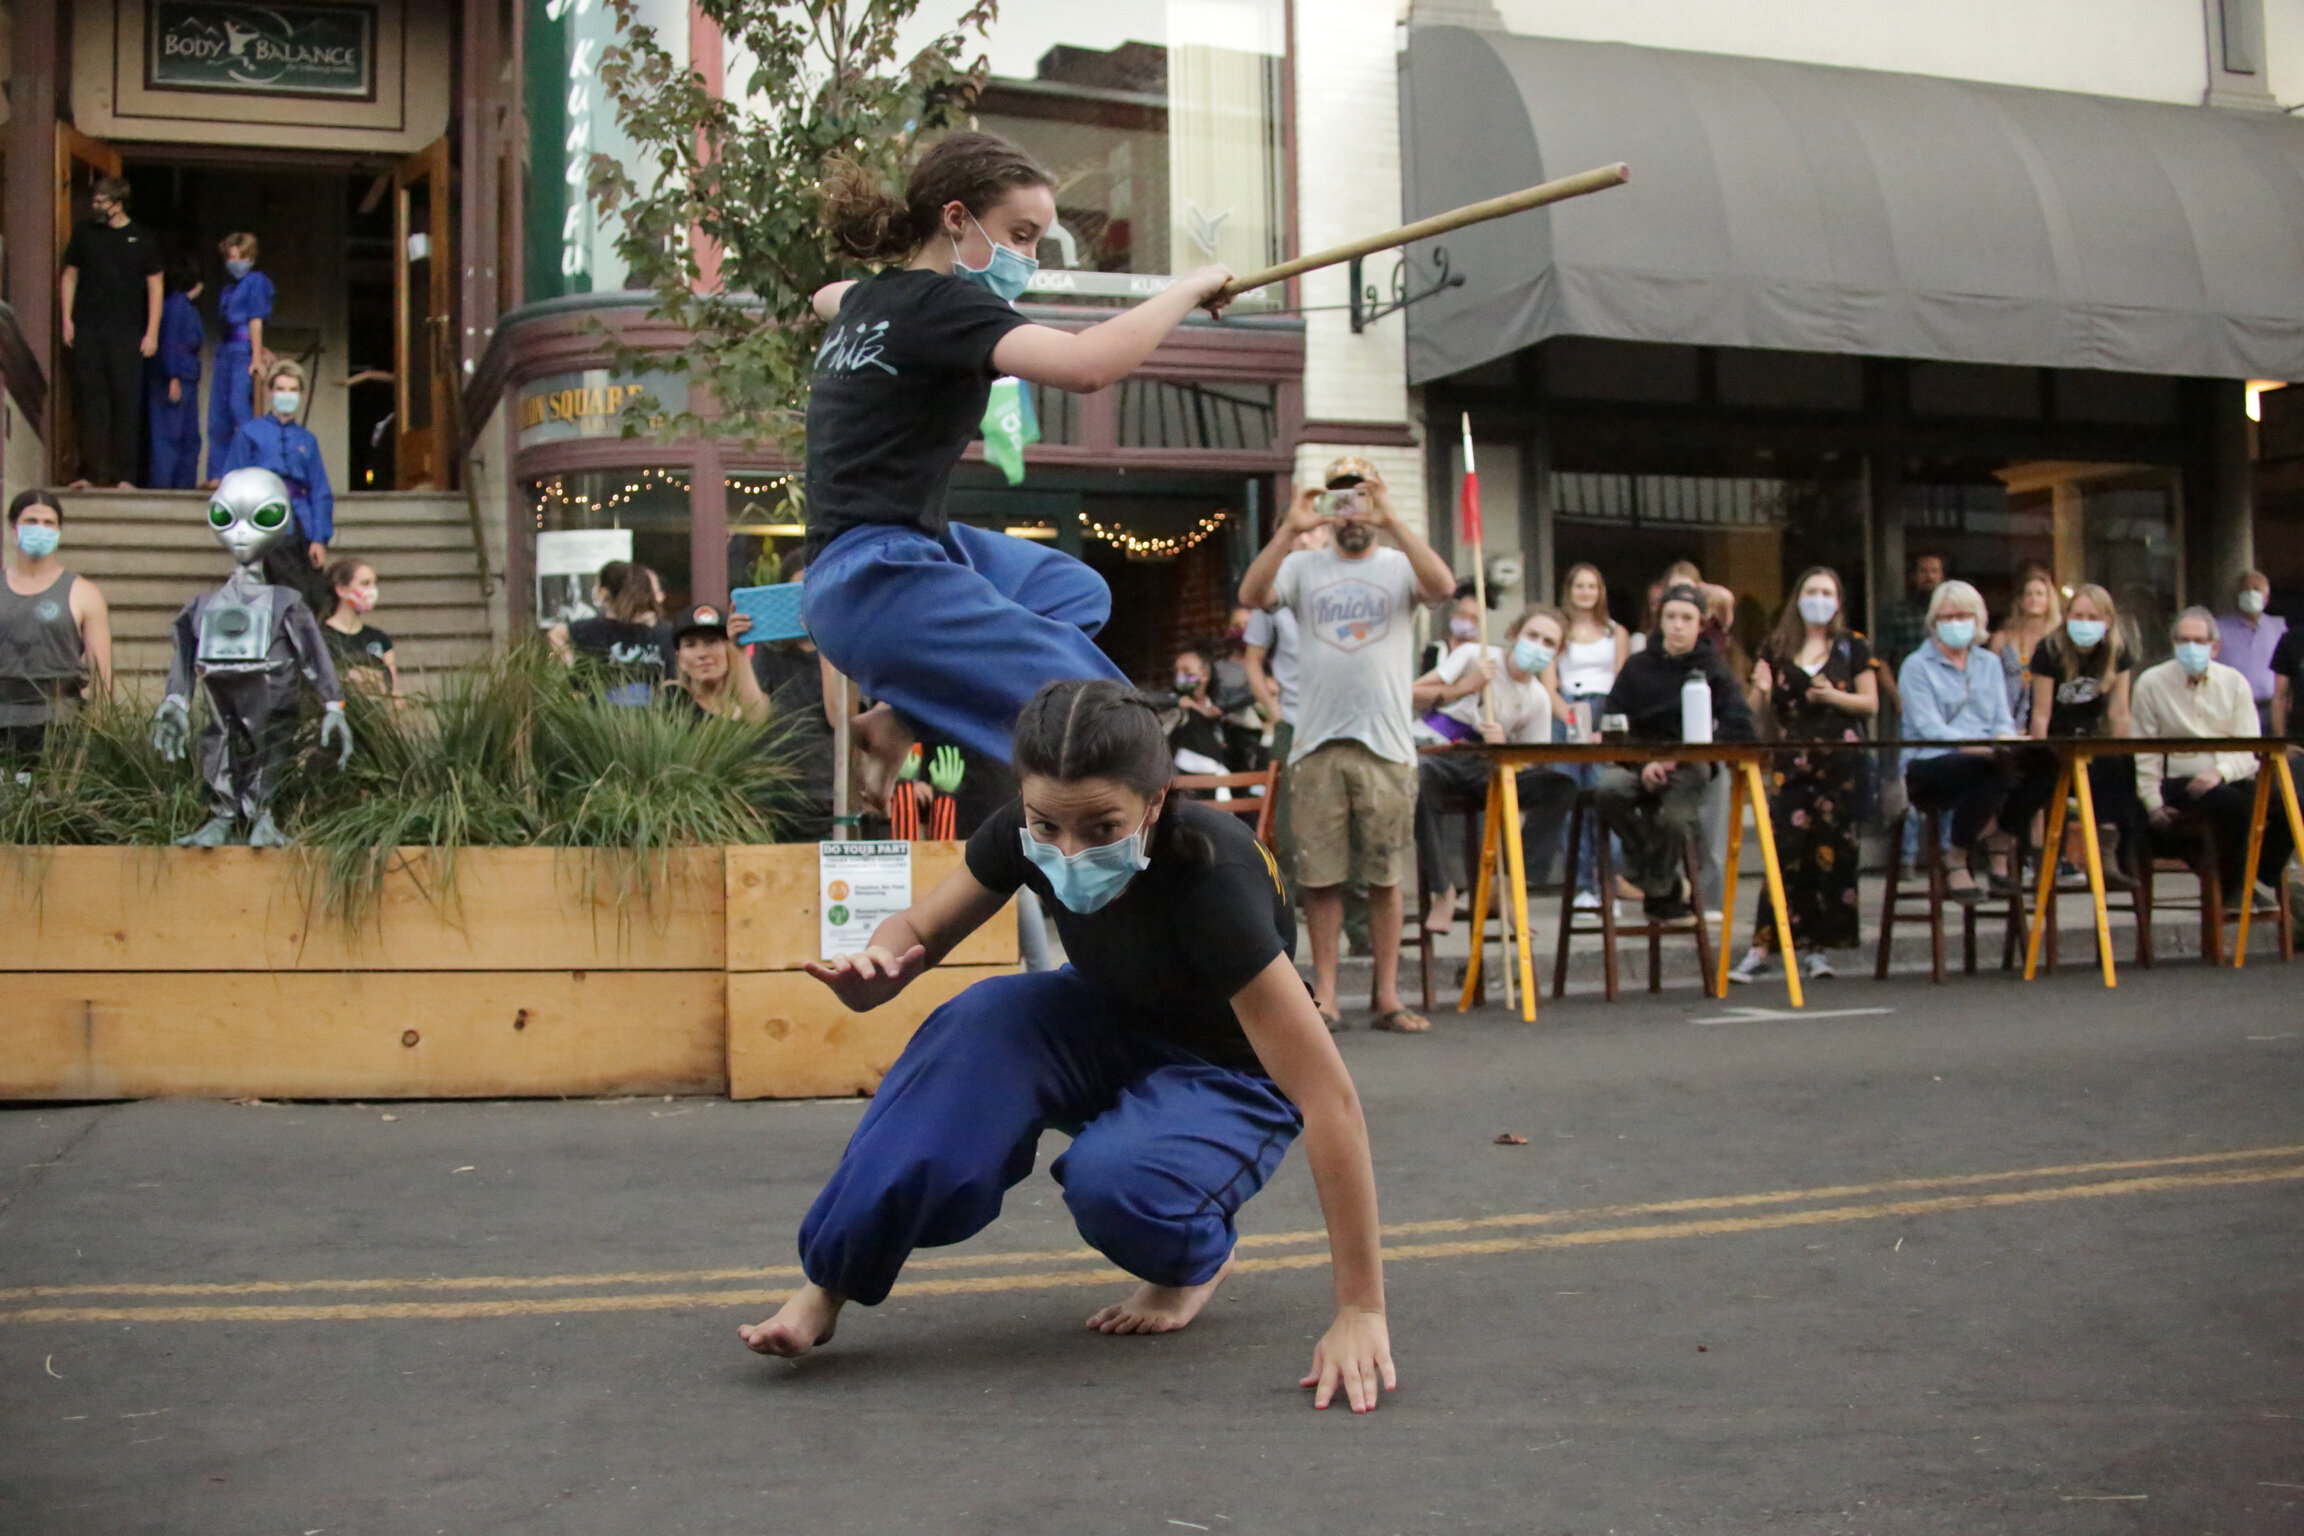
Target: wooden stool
[[2139, 897], [1935, 894], [1604, 921], [2198, 858]]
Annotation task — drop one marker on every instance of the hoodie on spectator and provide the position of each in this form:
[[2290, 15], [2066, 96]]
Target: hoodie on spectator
[[1647, 694]]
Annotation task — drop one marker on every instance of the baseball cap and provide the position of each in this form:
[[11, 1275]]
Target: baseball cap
[[703, 619], [1348, 471]]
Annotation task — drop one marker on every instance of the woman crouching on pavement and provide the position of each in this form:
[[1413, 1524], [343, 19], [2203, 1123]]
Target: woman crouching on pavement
[[1180, 1049]]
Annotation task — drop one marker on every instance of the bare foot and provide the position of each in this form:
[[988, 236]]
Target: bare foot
[[1442, 918], [799, 1325], [1158, 1308]]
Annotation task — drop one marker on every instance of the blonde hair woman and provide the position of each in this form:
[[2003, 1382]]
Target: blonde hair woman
[[1593, 650], [2080, 676], [2037, 613]]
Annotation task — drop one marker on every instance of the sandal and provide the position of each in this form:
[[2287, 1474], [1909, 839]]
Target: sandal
[[1401, 1021], [1967, 895]]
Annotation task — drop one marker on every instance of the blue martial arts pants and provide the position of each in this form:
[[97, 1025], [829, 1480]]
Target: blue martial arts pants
[[231, 401], [174, 428], [956, 633], [1166, 1147]]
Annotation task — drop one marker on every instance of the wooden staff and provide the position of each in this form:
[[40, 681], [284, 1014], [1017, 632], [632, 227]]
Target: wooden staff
[[1561, 190]]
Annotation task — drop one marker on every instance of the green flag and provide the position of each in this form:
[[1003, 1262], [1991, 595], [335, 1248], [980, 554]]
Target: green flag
[[1009, 423]]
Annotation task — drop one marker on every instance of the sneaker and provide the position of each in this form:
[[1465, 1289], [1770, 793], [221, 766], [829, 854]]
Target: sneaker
[[1587, 901], [1814, 967], [1751, 968]]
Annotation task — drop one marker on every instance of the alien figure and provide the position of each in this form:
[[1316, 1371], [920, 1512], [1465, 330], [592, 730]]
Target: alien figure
[[250, 646]]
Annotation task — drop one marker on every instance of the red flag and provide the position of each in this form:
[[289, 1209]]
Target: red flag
[[1471, 492]]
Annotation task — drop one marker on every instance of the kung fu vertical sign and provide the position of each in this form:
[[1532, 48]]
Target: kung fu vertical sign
[[261, 50]]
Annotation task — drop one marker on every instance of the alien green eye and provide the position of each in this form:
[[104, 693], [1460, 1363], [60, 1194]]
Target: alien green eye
[[219, 515], [270, 515]]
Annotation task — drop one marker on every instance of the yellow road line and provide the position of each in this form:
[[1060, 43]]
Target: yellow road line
[[1075, 1254], [533, 1306], [1072, 1256]]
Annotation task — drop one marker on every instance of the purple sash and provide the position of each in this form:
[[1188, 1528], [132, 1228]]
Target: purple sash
[[1449, 728]]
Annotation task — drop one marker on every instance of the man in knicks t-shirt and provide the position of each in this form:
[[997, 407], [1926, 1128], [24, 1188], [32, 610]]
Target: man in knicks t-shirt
[[1352, 766]]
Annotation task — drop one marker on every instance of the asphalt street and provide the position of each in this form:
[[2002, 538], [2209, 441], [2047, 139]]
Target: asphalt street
[[1977, 1258]]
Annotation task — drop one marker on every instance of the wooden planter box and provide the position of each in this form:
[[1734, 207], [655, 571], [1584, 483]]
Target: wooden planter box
[[214, 973]]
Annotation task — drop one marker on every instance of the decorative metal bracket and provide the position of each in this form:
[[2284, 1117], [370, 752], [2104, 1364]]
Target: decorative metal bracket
[[1369, 306]]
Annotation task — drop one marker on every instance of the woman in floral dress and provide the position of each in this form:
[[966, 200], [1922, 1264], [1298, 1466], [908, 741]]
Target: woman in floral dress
[[1815, 678]]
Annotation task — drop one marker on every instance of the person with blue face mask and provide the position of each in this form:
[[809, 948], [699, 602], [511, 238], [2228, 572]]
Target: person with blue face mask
[[277, 441], [2080, 687], [2194, 694], [1179, 1048], [55, 631], [1496, 697], [1815, 679], [244, 304], [1953, 690], [949, 627]]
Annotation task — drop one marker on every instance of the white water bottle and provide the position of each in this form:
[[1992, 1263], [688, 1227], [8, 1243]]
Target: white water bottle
[[1696, 708]]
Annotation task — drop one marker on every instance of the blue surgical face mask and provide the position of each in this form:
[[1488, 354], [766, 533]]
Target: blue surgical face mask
[[2193, 656], [239, 266], [1818, 607], [37, 540], [285, 401], [1006, 274], [1091, 878], [1530, 656], [2086, 633], [1958, 634]]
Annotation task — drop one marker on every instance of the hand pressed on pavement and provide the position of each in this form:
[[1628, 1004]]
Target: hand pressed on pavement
[[1356, 1354]]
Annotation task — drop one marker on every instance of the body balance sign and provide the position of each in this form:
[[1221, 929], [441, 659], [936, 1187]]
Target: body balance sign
[[859, 886], [265, 50]]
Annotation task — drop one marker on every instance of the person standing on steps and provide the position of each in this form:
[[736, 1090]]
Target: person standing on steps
[[1177, 1047], [278, 442], [244, 304], [55, 631], [110, 293], [172, 386]]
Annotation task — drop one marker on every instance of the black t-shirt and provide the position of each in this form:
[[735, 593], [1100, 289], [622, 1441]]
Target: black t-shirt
[[113, 263], [2081, 700], [1171, 950], [2288, 662], [1799, 720], [900, 388], [631, 659], [362, 650]]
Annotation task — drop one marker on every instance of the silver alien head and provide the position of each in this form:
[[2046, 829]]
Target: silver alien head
[[249, 513]]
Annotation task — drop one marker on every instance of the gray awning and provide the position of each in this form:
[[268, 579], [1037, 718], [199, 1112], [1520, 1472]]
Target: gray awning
[[1818, 209]]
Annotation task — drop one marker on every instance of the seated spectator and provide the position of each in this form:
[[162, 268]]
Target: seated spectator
[[626, 648], [1952, 690], [1449, 700], [1656, 808], [2194, 694], [361, 651], [2286, 720], [55, 630], [1232, 689], [2038, 614], [1463, 625], [710, 674], [2080, 684], [1196, 727]]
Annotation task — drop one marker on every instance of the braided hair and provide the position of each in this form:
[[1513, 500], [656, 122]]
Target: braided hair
[[1094, 728]]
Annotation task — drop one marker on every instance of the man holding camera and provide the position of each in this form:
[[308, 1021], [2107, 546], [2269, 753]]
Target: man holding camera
[[1352, 763]]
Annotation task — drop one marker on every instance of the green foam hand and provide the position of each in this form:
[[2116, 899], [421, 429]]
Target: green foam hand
[[946, 770]]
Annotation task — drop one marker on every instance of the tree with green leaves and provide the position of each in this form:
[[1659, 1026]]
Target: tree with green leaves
[[738, 176]]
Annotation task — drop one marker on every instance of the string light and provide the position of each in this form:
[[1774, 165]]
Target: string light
[[1142, 547], [553, 495]]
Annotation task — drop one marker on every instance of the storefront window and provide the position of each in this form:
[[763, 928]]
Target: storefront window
[[764, 535], [570, 245], [651, 503], [1161, 124]]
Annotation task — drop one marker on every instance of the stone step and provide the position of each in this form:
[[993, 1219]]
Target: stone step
[[141, 663], [192, 537], [363, 508], [194, 569], [169, 591]]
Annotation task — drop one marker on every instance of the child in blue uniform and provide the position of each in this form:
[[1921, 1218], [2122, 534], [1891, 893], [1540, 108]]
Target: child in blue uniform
[[244, 304], [1178, 1048], [278, 443], [172, 386], [948, 627]]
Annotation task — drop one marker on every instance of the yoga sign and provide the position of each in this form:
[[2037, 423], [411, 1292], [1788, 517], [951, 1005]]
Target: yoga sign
[[266, 50], [858, 887]]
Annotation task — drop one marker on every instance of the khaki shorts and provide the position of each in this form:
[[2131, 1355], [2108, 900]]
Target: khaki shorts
[[1354, 817]]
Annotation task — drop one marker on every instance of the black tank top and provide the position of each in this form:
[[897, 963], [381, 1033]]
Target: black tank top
[[40, 653]]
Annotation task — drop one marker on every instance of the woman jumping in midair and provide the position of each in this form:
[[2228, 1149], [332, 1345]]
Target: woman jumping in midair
[[1179, 1049], [950, 628]]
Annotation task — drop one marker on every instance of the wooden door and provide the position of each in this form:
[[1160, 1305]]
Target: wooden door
[[80, 160], [424, 321]]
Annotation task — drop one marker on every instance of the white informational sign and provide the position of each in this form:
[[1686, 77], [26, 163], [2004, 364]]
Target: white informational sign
[[566, 562], [859, 886]]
